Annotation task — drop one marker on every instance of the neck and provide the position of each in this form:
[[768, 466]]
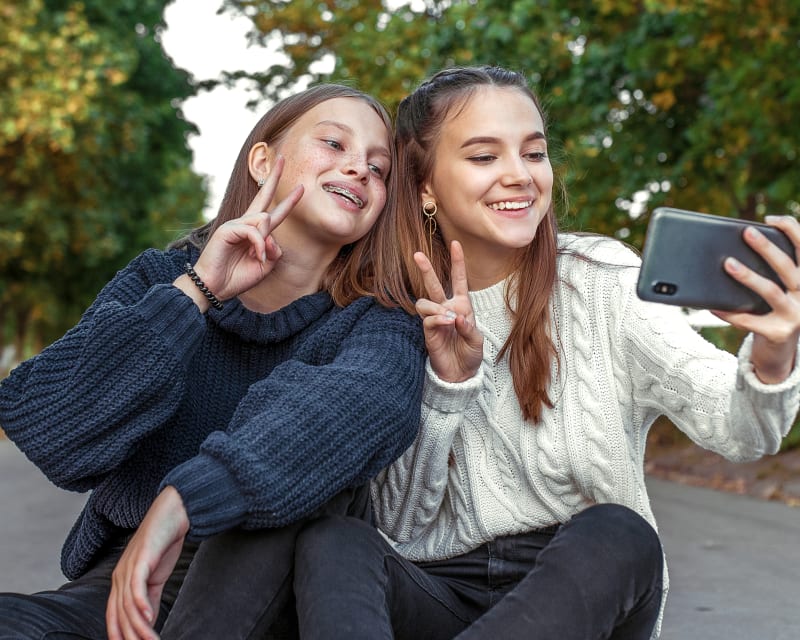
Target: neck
[[298, 273], [485, 269]]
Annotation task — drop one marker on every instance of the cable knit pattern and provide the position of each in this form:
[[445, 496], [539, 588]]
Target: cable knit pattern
[[256, 419], [623, 363]]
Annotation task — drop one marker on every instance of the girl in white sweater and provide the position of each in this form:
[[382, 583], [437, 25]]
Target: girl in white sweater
[[521, 510]]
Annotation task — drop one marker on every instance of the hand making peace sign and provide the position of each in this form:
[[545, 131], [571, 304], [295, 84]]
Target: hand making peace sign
[[242, 251], [455, 346]]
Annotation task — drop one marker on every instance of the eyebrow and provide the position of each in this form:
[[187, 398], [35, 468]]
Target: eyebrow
[[536, 135], [343, 127]]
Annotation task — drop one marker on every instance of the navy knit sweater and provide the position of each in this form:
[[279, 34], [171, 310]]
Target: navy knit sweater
[[256, 419]]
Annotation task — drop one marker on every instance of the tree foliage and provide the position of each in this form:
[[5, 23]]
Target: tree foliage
[[687, 103], [94, 161]]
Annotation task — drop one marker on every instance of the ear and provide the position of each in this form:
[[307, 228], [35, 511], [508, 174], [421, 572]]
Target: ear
[[259, 161], [426, 194]]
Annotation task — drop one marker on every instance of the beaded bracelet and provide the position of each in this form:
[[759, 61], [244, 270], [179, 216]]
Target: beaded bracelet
[[200, 285]]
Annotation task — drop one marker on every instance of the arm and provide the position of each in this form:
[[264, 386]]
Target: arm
[[297, 438], [81, 406], [408, 495], [310, 430], [711, 395]]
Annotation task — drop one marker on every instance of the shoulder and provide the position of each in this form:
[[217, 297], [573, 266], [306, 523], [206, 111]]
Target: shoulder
[[157, 263], [367, 314], [600, 249]]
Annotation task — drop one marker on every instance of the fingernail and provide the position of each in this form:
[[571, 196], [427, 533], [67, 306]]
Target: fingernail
[[263, 256], [450, 315], [734, 264], [771, 218]]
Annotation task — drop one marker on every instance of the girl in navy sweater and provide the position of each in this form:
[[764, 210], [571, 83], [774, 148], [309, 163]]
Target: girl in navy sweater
[[238, 382]]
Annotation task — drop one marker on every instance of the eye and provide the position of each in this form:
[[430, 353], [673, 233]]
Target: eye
[[536, 156], [334, 144], [378, 171], [483, 158]]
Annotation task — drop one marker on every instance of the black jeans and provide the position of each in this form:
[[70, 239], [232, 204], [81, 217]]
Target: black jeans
[[599, 576], [77, 610], [234, 586], [239, 586]]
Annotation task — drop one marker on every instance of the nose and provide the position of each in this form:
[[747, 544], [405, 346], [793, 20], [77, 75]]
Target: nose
[[356, 165], [516, 174]]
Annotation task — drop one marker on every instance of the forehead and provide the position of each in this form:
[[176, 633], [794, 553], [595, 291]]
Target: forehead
[[349, 114], [495, 109]]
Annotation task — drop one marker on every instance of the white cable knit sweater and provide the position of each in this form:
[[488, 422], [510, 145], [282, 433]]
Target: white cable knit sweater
[[623, 363]]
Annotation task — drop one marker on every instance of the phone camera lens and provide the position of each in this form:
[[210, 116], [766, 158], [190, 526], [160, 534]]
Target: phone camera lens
[[665, 288]]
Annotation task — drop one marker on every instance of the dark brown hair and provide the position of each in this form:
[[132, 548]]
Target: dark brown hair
[[352, 273], [420, 118]]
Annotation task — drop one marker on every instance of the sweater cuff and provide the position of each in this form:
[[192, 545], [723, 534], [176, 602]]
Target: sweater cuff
[[747, 377], [210, 495], [449, 397], [172, 315]]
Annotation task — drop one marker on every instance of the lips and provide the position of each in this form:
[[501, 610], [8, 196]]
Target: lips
[[510, 205], [345, 192]]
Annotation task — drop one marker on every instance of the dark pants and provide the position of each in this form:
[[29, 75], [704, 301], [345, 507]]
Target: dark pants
[[77, 610], [599, 576], [234, 586]]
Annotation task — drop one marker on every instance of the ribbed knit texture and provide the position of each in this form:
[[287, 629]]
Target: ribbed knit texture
[[624, 362], [256, 419]]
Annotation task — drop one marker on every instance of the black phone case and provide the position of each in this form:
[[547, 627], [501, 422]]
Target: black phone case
[[683, 255]]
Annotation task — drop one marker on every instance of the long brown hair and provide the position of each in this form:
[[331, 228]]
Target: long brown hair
[[352, 272], [419, 122]]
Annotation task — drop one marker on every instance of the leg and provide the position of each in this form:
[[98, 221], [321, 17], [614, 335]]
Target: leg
[[239, 585], [77, 610], [600, 577], [351, 585]]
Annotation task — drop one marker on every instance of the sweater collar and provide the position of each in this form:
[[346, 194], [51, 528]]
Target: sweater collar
[[271, 327]]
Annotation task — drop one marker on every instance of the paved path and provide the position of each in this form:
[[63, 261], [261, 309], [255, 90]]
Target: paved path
[[734, 561]]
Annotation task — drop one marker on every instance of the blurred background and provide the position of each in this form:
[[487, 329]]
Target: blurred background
[[685, 103]]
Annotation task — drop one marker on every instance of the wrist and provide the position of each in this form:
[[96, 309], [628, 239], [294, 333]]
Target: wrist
[[198, 282], [185, 284]]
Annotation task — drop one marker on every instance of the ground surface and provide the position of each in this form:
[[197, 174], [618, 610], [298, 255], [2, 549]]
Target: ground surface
[[671, 456]]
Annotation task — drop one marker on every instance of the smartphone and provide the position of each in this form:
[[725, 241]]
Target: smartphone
[[683, 255]]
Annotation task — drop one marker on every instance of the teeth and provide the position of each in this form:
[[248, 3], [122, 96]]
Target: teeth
[[503, 206], [346, 193]]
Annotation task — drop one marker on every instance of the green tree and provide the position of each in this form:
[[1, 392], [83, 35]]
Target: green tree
[[689, 102], [94, 160]]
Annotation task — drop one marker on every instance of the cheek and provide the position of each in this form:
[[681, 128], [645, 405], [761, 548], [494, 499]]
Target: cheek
[[379, 196]]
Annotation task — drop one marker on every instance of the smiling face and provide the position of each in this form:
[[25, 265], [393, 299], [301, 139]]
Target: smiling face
[[491, 179], [339, 152]]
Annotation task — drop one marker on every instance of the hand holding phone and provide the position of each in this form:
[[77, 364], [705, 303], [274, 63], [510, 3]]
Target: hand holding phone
[[683, 256]]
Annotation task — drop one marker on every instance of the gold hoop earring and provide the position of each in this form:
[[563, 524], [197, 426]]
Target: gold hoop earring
[[429, 210]]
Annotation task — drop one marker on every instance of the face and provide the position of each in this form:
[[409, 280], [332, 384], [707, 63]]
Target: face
[[339, 152], [492, 180]]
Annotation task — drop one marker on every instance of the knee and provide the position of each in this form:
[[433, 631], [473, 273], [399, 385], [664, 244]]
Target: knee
[[621, 534], [333, 535]]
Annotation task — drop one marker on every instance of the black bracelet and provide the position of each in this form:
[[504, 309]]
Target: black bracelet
[[206, 292]]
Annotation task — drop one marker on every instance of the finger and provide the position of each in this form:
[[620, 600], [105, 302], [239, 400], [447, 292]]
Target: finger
[[112, 618], [142, 613], [426, 308], [764, 287], [458, 269], [775, 257], [237, 232], [789, 225], [437, 321], [429, 279], [282, 209], [272, 249], [266, 193]]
